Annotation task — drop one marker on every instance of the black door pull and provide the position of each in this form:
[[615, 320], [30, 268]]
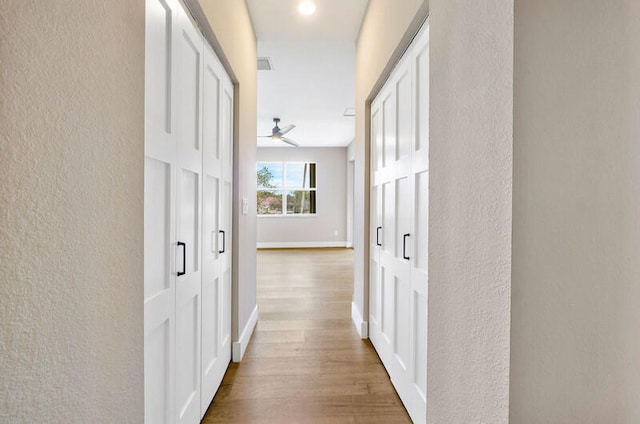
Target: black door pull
[[404, 246], [184, 258], [224, 242], [378, 236]]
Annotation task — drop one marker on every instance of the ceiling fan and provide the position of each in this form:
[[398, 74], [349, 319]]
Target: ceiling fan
[[277, 133]]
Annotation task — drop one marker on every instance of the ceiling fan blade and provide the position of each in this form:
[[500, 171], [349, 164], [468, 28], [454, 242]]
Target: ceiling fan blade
[[286, 129], [264, 136], [289, 141]]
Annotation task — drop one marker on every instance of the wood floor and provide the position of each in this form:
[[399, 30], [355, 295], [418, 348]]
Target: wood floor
[[305, 362]]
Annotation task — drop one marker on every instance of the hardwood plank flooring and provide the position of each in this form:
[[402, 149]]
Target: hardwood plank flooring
[[305, 362]]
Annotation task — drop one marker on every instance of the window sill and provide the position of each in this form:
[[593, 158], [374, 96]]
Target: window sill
[[297, 215]]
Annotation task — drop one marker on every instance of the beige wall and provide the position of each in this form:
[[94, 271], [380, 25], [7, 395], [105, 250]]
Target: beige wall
[[387, 29], [319, 230], [236, 44], [576, 208], [71, 211], [470, 190]]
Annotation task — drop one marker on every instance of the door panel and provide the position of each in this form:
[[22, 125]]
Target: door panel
[[402, 330], [388, 130], [226, 214], [376, 229], [157, 373], [420, 347], [210, 325], [211, 106], [188, 300], [159, 214], [189, 212], [422, 102], [374, 293], [157, 235], [187, 358], [160, 17], [402, 218], [404, 118], [215, 354], [421, 214], [399, 204], [374, 262], [386, 305], [388, 208], [376, 140], [187, 343], [420, 197], [227, 132], [225, 307], [190, 72]]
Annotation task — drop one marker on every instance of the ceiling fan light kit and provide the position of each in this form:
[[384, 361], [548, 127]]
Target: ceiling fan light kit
[[277, 133]]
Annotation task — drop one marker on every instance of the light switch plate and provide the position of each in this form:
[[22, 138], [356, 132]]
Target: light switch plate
[[245, 206]]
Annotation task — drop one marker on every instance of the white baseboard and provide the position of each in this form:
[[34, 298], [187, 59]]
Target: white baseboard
[[240, 346], [300, 244], [362, 327]]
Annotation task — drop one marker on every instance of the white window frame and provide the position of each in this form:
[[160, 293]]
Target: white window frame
[[284, 190]]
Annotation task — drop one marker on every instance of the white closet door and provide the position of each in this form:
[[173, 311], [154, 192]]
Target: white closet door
[[189, 179], [226, 214], [159, 214], [215, 354], [376, 235], [395, 268], [399, 205], [392, 341], [417, 369]]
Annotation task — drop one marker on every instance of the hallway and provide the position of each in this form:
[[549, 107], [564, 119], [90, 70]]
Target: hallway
[[305, 362]]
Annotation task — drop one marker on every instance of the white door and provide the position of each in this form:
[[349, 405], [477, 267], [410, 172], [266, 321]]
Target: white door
[[216, 349], [225, 234], [399, 207], [376, 235], [188, 97], [159, 214], [188, 142], [419, 239]]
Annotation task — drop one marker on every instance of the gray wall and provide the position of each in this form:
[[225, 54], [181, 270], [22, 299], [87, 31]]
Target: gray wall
[[319, 230], [71, 211], [576, 212]]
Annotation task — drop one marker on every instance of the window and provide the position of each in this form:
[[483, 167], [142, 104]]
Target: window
[[286, 188]]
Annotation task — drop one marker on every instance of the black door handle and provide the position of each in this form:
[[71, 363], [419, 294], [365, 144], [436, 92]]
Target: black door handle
[[404, 246], [224, 242], [184, 258], [378, 236]]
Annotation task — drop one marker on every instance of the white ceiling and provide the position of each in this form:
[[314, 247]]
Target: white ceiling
[[313, 76]]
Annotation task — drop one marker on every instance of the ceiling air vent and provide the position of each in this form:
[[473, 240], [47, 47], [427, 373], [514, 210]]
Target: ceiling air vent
[[349, 112], [264, 64]]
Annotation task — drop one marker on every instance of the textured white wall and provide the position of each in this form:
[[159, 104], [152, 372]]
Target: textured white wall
[[71, 211], [231, 24], [576, 208], [331, 199], [470, 211]]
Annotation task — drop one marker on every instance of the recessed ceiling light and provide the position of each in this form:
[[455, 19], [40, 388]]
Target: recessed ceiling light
[[306, 8]]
